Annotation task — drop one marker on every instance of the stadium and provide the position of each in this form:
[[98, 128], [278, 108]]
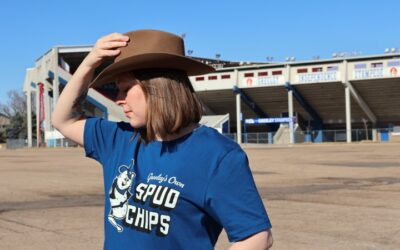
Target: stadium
[[346, 98]]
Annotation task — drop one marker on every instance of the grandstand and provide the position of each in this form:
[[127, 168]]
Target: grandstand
[[288, 102]]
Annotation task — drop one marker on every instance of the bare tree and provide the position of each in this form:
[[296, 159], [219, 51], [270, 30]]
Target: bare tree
[[16, 104], [15, 109]]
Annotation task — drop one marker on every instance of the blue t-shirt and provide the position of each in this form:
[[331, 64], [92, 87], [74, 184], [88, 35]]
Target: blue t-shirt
[[175, 194]]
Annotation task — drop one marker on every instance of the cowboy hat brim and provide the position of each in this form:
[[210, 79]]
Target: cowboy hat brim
[[151, 61]]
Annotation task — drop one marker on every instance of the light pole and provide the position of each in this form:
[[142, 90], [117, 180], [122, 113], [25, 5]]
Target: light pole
[[218, 56]]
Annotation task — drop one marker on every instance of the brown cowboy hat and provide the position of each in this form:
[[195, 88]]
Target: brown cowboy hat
[[151, 49]]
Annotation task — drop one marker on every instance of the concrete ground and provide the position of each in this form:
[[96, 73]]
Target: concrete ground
[[327, 196]]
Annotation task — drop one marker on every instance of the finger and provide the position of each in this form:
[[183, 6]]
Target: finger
[[116, 37], [111, 45], [106, 53]]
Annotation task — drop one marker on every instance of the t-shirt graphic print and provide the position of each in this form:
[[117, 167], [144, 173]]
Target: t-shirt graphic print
[[126, 212]]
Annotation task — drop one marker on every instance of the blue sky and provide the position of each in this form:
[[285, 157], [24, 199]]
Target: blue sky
[[238, 30]]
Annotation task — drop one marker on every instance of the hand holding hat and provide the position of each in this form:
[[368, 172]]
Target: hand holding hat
[[107, 46]]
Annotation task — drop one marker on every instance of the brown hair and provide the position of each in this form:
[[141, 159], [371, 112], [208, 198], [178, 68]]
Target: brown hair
[[172, 103]]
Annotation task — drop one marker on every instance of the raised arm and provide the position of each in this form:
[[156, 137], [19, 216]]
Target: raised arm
[[65, 117]]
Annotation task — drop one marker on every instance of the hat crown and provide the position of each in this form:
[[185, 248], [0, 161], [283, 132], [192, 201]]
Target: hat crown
[[151, 41]]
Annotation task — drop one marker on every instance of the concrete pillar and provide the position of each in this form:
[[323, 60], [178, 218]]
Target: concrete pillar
[[291, 114], [38, 115], [29, 115], [56, 81], [348, 114], [347, 94], [47, 120], [374, 135], [290, 105], [238, 111], [238, 120]]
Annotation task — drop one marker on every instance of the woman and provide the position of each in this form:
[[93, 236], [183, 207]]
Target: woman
[[170, 183]]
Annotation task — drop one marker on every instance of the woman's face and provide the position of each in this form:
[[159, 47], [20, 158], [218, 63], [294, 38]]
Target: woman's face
[[132, 100]]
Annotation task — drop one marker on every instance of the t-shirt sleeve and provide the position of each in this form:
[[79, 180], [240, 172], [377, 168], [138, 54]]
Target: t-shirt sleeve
[[99, 138], [232, 198]]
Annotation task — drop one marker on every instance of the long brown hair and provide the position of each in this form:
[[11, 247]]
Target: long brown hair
[[172, 103]]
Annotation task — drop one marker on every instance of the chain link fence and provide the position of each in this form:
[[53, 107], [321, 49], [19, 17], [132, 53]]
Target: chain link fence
[[61, 143], [340, 135], [18, 143], [380, 135], [23, 143]]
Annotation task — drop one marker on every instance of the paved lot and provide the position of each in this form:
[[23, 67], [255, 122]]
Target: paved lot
[[330, 196]]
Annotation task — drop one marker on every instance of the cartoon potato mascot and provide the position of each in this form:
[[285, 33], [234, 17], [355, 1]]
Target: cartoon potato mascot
[[119, 195]]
